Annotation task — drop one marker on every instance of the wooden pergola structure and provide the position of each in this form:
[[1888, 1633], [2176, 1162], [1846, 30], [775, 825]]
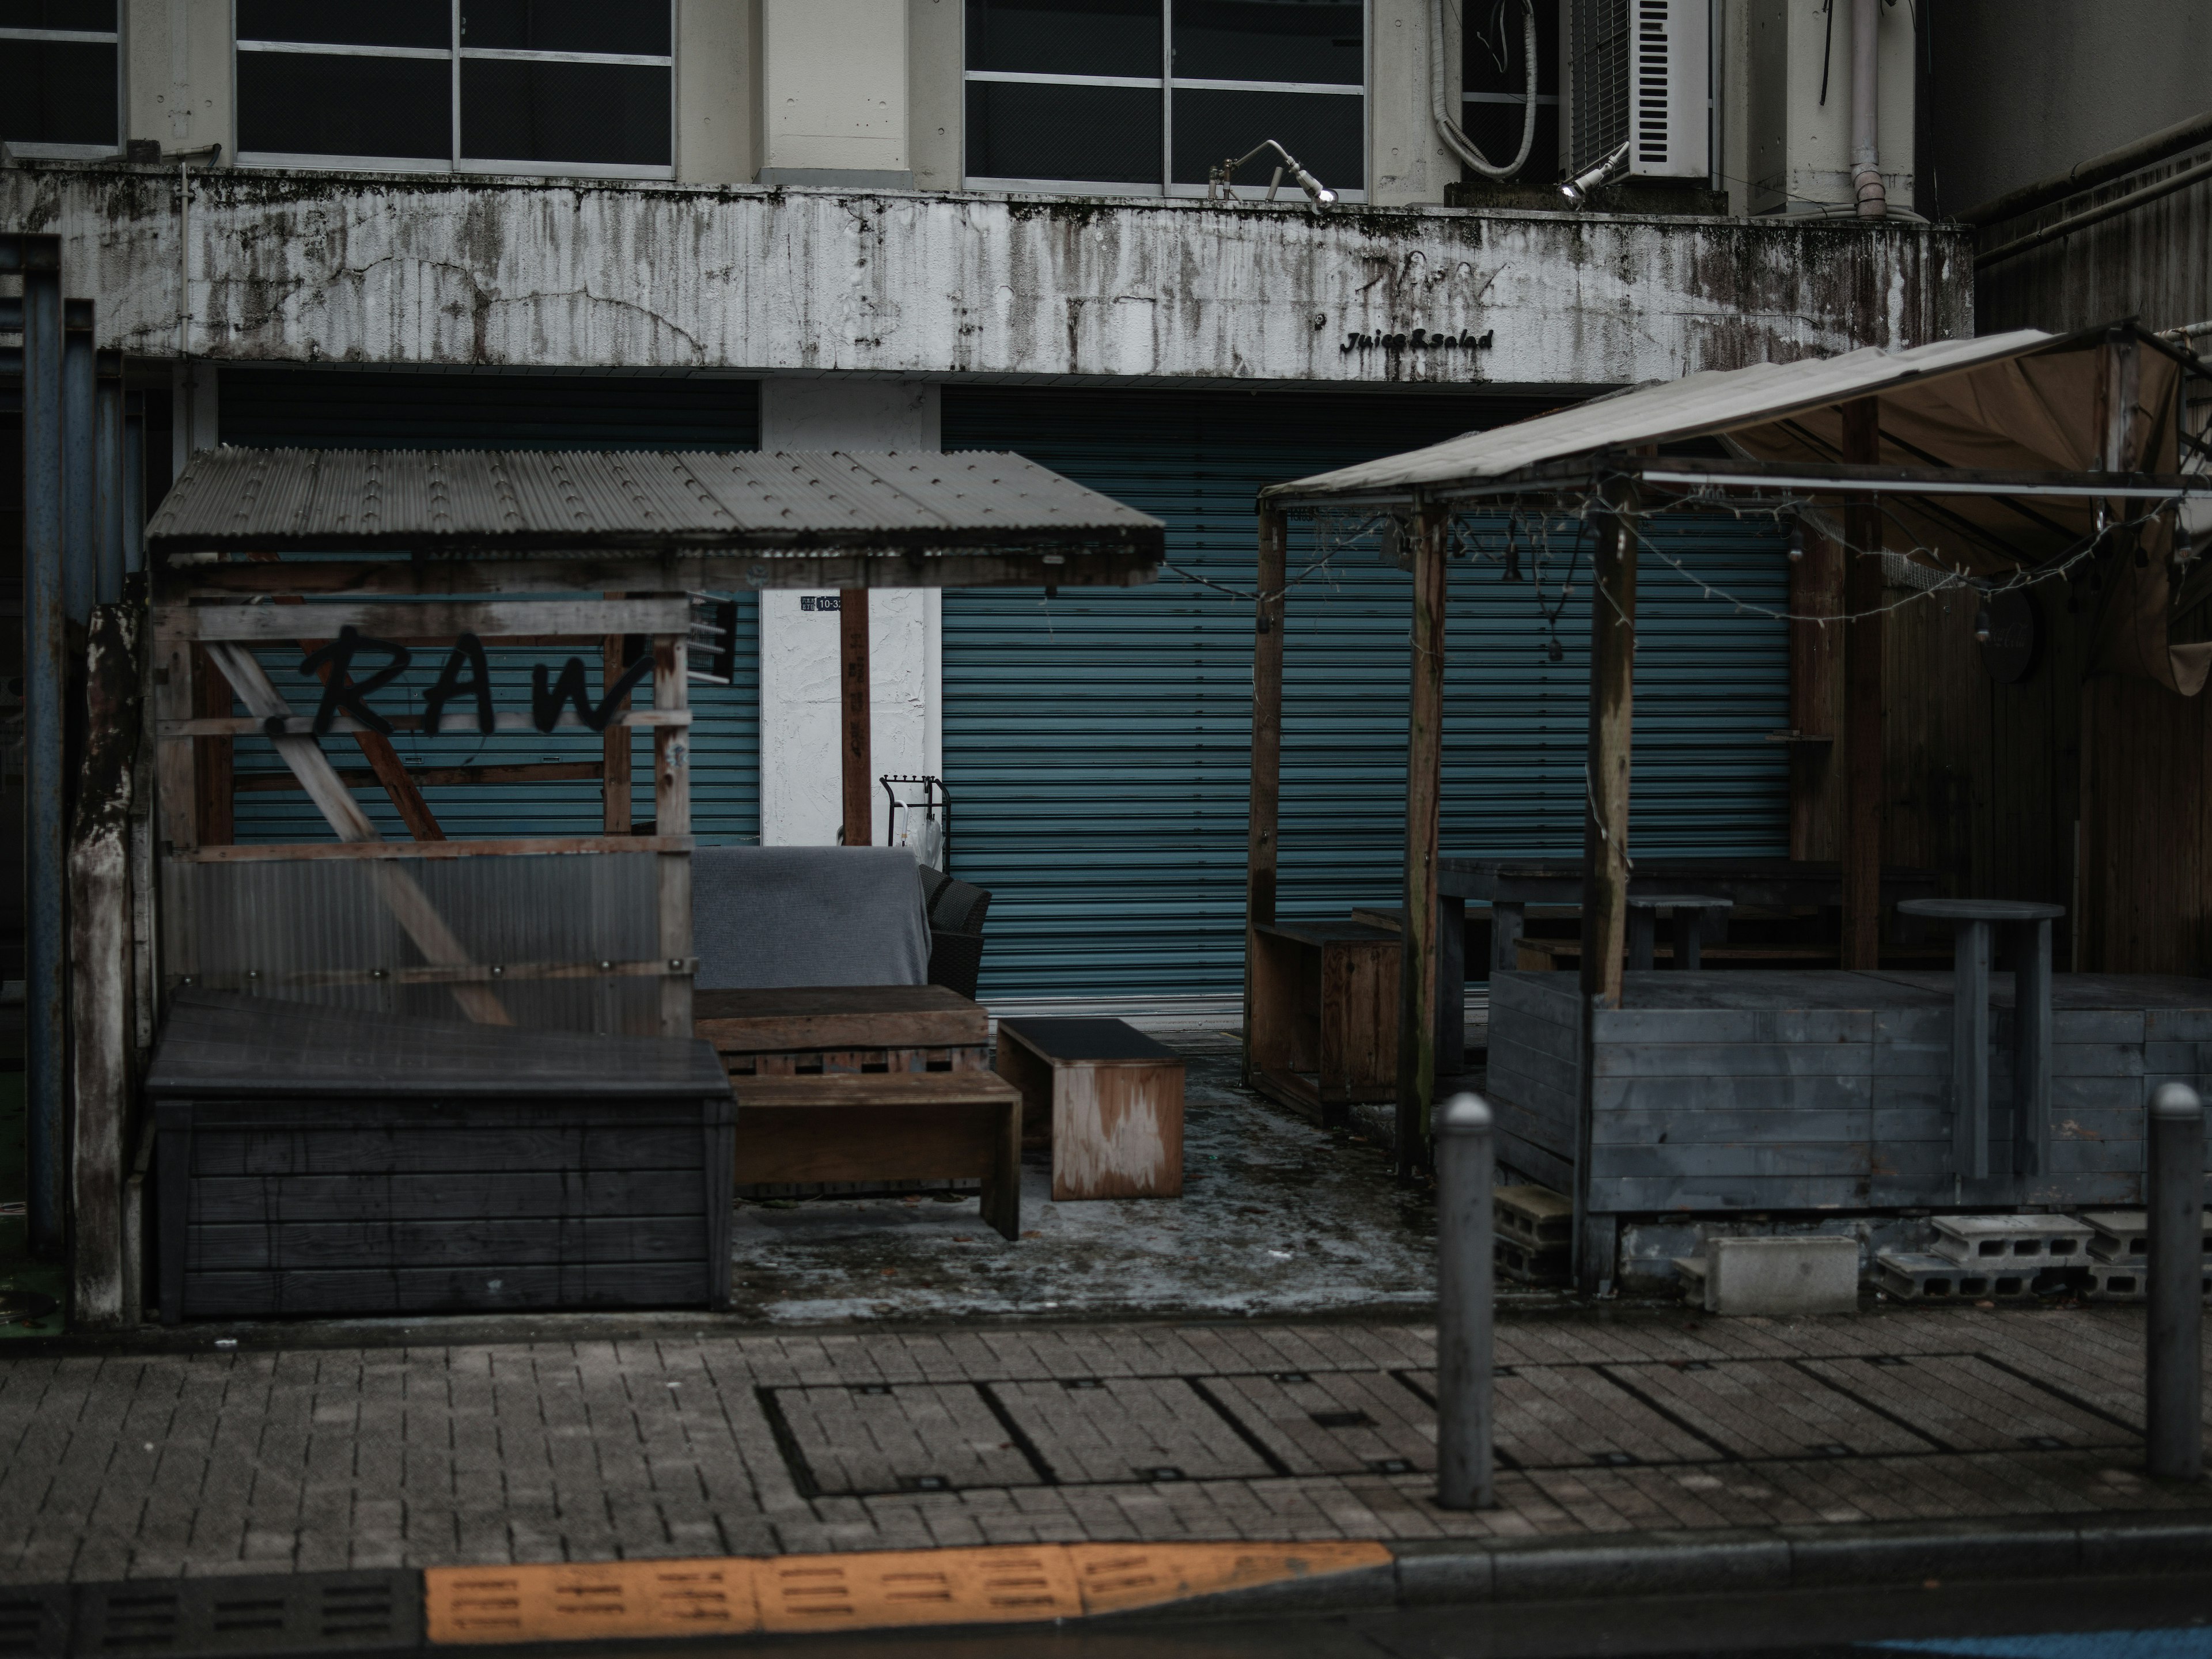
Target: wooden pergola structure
[[1987, 462], [355, 559]]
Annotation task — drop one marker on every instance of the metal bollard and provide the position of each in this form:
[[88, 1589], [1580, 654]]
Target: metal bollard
[[2173, 1380], [1465, 1411]]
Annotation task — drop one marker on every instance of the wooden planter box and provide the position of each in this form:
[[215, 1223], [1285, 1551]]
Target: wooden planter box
[[312, 1162], [1325, 1015]]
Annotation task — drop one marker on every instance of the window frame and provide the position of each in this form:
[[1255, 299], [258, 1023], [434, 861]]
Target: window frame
[[454, 53], [39, 151], [1166, 84]]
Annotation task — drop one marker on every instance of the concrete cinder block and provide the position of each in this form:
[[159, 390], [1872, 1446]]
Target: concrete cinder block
[[2012, 1243], [1801, 1275]]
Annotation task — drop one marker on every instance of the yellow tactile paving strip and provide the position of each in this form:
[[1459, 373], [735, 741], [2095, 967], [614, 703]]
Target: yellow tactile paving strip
[[1009, 1584]]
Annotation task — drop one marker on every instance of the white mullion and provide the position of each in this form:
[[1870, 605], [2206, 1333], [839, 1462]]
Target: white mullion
[[1167, 96], [62, 37], [453, 109], [327, 49], [1305, 88], [1023, 77], [518, 55]]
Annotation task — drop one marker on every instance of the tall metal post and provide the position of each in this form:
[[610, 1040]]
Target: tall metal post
[[1466, 1157], [107, 478], [39, 259], [1862, 672], [2173, 1380], [80, 517]]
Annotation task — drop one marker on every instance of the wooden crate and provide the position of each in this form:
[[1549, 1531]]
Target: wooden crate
[[1106, 1098], [313, 1162], [1325, 1015], [939, 1126], [827, 1030]]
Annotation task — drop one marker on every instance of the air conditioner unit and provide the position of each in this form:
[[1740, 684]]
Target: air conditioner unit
[[1639, 73]]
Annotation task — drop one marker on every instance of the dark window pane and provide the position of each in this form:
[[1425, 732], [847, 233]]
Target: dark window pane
[[57, 92], [95, 17], [639, 27], [1325, 130], [313, 105], [1318, 40], [348, 23], [593, 114], [1103, 135], [1066, 36], [1495, 129], [1492, 52]]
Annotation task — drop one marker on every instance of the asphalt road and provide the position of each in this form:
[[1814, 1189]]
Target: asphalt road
[[2165, 1617]]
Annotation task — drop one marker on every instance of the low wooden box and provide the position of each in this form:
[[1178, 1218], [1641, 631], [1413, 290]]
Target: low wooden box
[[823, 1030], [314, 1162], [1108, 1097], [1325, 1015]]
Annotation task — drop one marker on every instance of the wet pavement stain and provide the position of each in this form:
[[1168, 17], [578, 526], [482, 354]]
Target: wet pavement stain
[[1277, 1218]]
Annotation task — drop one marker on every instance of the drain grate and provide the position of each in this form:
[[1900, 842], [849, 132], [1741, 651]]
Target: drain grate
[[318, 1611], [33, 1619]]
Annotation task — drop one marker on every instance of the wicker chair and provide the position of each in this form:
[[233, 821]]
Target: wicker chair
[[956, 933]]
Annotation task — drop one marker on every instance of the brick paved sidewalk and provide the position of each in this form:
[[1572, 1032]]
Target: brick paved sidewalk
[[116, 1465]]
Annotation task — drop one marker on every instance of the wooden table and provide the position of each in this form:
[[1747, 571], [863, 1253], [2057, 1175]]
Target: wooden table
[[312, 1160], [1109, 1099], [844, 1028], [930, 1126]]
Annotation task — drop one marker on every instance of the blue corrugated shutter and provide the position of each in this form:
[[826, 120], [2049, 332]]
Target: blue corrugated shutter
[[1096, 744], [376, 410]]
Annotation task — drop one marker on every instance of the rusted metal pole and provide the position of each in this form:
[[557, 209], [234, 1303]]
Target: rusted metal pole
[[1418, 969], [853, 740], [1863, 672], [1605, 833], [1261, 854]]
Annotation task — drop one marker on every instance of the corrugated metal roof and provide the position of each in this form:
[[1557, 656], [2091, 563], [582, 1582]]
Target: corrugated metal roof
[[462, 502], [1697, 405]]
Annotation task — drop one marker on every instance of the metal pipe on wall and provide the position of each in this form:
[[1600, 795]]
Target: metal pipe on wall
[[107, 478], [1866, 93], [80, 395], [39, 259]]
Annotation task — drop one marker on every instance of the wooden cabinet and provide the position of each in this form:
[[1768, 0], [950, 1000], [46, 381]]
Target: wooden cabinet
[[1324, 1015]]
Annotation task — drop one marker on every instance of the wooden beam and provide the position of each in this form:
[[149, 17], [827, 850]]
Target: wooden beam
[[1262, 854], [385, 766], [854, 736], [213, 758], [303, 726], [1816, 664], [190, 578], [1862, 712], [671, 819], [440, 777], [614, 744], [488, 619], [1605, 836], [536, 846], [1418, 969]]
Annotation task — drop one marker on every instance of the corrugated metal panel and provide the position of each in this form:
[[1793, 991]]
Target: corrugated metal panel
[[1098, 744], [364, 410], [497, 501]]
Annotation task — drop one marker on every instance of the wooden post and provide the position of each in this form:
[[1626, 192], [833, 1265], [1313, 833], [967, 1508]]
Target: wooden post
[[1816, 658], [1262, 856], [1862, 671], [853, 741], [672, 816], [212, 762], [1418, 976], [1605, 838], [101, 1047], [613, 743]]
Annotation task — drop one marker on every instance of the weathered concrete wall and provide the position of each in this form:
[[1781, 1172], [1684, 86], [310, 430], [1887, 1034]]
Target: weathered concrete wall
[[436, 271]]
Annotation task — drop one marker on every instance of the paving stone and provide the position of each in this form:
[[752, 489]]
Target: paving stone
[[1116, 1429]]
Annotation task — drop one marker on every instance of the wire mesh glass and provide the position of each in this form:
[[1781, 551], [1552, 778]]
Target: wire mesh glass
[[327, 103], [565, 942]]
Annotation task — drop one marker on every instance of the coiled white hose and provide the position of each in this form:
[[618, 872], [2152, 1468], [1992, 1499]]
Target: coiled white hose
[[1448, 126]]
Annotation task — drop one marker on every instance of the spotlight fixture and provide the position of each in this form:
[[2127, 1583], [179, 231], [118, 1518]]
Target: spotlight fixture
[[1220, 180], [1578, 190], [1796, 540]]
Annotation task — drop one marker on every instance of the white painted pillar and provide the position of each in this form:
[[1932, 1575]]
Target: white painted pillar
[[801, 787]]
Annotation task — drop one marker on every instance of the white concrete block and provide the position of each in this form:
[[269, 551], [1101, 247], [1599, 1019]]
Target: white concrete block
[[2012, 1243], [1807, 1275]]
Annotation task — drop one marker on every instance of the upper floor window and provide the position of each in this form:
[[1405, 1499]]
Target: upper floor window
[[1494, 88], [1146, 97], [60, 79], [486, 85]]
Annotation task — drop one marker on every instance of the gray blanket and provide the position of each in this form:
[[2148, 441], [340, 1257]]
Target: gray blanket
[[767, 918]]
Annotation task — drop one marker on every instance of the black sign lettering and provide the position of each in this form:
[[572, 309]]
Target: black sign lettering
[[468, 653], [340, 693], [547, 701]]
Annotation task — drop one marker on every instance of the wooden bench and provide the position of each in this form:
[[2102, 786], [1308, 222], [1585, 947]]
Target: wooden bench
[[1325, 1015], [898, 1126], [1106, 1098], [825, 1029]]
